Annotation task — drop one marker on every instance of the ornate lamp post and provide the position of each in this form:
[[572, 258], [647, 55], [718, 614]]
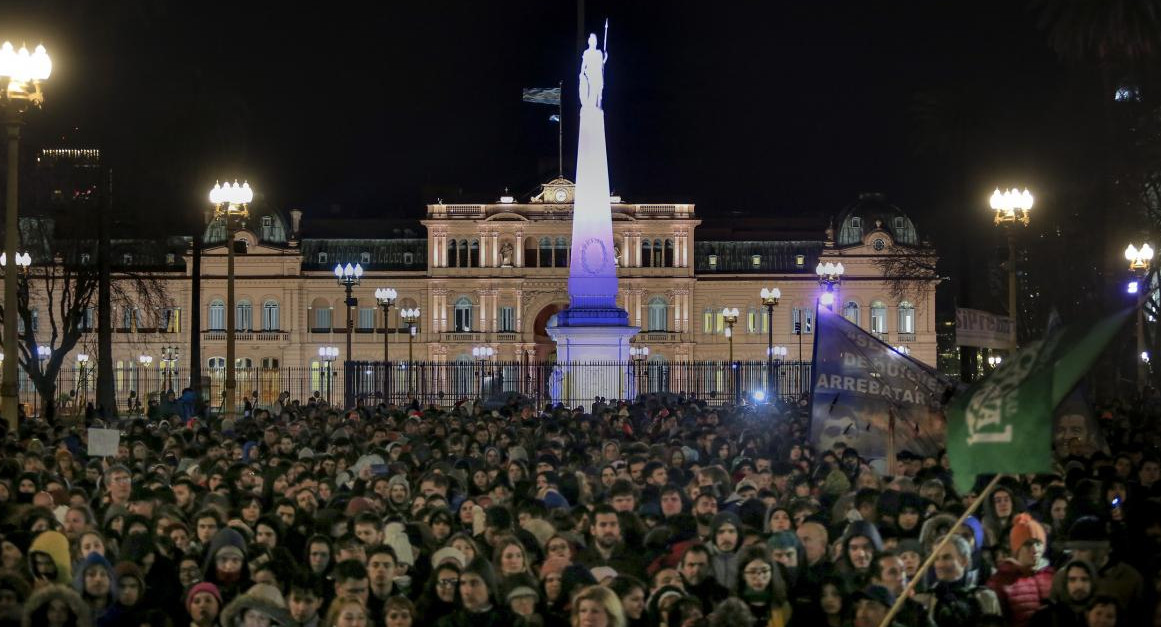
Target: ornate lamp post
[[482, 354], [1139, 261], [994, 361], [730, 317], [328, 355], [146, 361], [770, 298], [20, 76], [348, 277], [829, 275], [1012, 207], [231, 205], [639, 355], [385, 297], [777, 354], [82, 380], [169, 357], [410, 318]]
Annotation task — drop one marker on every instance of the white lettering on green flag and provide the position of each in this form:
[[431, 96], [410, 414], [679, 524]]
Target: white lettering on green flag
[[1003, 424]]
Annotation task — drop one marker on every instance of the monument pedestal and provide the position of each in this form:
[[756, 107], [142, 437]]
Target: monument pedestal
[[592, 348]]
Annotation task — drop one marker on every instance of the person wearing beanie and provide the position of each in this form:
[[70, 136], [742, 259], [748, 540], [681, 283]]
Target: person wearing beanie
[[203, 603], [260, 601], [131, 591], [1023, 582]]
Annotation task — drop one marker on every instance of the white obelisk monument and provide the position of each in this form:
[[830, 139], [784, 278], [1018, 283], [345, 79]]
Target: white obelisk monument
[[593, 330]]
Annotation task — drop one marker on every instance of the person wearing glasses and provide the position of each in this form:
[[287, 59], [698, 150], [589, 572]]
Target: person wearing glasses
[[762, 585], [478, 606], [441, 594]]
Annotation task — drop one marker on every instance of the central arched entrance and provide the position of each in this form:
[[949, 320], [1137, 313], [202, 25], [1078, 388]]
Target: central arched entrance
[[545, 347]]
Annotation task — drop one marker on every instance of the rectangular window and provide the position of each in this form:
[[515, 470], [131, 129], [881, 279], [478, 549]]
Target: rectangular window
[[366, 318], [322, 318], [708, 323], [802, 320], [508, 319], [88, 318], [171, 319]]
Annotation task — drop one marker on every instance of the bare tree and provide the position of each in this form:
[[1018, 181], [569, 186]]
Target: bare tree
[[908, 271], [62, 283]]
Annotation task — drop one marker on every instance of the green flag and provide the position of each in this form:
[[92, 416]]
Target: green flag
[[1003, 424]]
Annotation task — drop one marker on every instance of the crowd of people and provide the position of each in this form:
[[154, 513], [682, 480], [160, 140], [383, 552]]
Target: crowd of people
[[661, 512]]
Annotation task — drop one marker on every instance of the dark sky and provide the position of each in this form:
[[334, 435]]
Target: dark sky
[[767, 108]]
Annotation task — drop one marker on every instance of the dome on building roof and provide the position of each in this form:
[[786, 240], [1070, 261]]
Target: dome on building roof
[[872, 212], [268, 224]]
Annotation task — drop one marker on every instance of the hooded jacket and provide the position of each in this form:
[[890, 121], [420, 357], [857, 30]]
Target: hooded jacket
[[36, 606], [857, 529], [110, 614], [223, 538], [55, 545], [1061, 610], [725, 565]]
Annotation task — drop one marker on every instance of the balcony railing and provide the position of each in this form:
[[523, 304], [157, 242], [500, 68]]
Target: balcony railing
[[218, 335], [906, 337], [659, 336]]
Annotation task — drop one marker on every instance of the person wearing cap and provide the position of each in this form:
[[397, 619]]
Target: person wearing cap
[[871, 606], [1023, 582], [261, 601], [1088, 540]]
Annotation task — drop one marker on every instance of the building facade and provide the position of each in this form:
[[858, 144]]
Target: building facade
[[493, 275]]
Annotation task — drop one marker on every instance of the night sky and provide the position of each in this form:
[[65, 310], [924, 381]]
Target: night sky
[[764, 108]]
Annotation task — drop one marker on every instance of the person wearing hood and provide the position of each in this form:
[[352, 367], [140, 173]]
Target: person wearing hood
[[48, 559], [859, 545], [478, 600], [96, 582], [1072, 589], [399, 495], [131, 603], [224, 563], [164, 589], [1023, 582], [260, 601], [56, 605], [725, 538]]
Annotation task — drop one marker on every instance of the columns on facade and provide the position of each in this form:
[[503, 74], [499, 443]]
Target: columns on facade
[[519, 256], [495, 246], [626, 246], [519, 306], [439, 310]]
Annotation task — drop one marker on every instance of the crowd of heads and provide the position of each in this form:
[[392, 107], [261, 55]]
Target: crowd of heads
[[663, 512]]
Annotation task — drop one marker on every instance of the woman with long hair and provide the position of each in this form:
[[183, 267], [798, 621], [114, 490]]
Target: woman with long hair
[[762, 585], [597, 606], [440, 596]]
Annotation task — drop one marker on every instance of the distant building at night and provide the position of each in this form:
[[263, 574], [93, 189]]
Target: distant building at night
[[493, 274]]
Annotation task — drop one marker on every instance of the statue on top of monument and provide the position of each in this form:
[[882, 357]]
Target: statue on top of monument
[[592, 73]]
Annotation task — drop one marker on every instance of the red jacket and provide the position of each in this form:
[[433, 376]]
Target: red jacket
[[1021, 591]]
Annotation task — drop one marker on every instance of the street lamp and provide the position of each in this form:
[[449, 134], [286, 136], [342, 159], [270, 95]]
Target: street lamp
[[770, 298], [328, 355], [232, 205], [829, 274], [348, 277], [169, 357], [730, 317], [385, 297], [20, 76], [1139, 261], [43, 352], [410, 317], [482, 355], [1012, 207], [82, 379], [994, 361], [639, 354]]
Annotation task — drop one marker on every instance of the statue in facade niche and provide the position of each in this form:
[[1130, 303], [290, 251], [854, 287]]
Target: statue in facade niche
[[506, 255]]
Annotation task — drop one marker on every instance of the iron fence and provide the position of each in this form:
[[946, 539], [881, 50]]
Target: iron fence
[[494, 381], [442, 383]]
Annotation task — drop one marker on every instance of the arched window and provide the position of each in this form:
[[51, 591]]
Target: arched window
[[545, 252], [322, 314], [712, 321], [646, 253], [243, 316], [560, 255], [851, 312], [450, 262], [530, 253], [669, 254], [217, 315], [658, 314], [474, 254], [463, 319], [878, 317], [270, 316], [658, 254], [906, 317], [462, 259]]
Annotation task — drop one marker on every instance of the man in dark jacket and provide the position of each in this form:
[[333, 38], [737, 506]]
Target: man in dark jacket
[[1072, 589], [698, 578], [608, 548]]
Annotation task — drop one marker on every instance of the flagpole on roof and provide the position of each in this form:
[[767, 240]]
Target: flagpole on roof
[[560, 132], [906, 594]]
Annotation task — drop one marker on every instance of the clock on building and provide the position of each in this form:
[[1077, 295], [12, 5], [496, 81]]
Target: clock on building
[[878, 244], [561, 195]]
